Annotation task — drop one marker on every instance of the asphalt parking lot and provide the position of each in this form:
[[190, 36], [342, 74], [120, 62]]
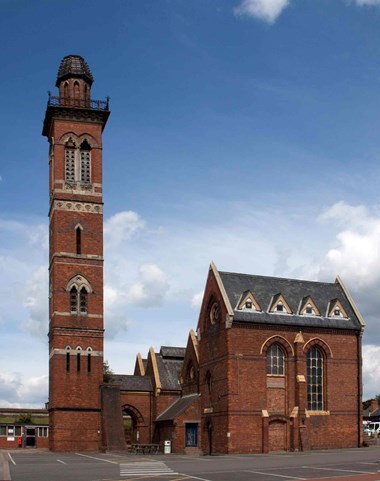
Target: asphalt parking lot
[[340, 465]]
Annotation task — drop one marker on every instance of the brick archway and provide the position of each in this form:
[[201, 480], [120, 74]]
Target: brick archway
[[278, 434], [137, 417]]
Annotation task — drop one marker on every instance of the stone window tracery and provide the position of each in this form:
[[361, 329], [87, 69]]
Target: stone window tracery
[[315, 368], [275, 361]]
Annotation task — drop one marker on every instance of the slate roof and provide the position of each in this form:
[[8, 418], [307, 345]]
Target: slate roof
[[294, 291], [133, 383], [177, 408], [169, 370], [74, 66], [173, 352]]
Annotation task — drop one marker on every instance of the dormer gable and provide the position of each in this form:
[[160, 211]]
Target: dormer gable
[[336, 309], [248, 302], [308, 307], [279, 305]]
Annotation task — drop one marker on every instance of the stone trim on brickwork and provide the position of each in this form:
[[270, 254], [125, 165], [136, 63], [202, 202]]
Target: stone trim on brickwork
[[316, 341], [68, 314], [279, 339], [351, 301], [222, 290], [74, 352], [75, 206], [156, 375]]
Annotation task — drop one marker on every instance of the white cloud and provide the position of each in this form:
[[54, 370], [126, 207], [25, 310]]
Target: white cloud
[[151, 288], [371, 371], [196, 301], [266, 10], [356, 256], [121, 227], [17, 391], [36, 303], [367, 2]]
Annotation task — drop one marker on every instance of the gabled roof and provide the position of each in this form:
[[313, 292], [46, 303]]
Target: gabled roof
[[169, 371], [172, 352], [177, 408], [294, 291], [133, 383]]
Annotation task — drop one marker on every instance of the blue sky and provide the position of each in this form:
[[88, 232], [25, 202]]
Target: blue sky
[[243, 132]]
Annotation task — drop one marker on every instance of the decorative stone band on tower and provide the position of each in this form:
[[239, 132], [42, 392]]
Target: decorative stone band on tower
[[73, 125]]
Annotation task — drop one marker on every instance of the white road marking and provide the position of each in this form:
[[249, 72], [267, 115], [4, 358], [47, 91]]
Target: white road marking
[[97, 459], [334, 469], [12, 460], [271, 474], [63, 462], [144, 468]]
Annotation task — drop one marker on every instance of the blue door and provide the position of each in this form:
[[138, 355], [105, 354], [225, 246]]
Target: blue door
[[191, 435]]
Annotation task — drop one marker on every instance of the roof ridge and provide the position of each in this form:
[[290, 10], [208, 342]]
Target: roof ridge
[[277, 277]]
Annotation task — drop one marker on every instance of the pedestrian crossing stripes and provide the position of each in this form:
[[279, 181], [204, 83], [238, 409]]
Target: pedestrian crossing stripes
[[144, 468]]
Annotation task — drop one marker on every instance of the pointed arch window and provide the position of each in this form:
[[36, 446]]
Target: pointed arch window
[[83, 300], [79, 288], [78, 238], [73, 300], [70, 161], [85, 162], [315, 367], [275, 361], [76, 90]]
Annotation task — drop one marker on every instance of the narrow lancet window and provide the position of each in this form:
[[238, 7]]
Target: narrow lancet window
[[83, 301], [69, 163], [67, 362], [78, 362], [88, 362], [73, 300], [79, 240], [85, 162]]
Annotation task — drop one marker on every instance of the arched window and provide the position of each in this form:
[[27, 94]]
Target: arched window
[[275, 361], [68, 349], [70, 161], [78, 234], [315, 361], [85, 162], [76, 90], [83, 300], [73, 300], [79, 288], [89, 362]]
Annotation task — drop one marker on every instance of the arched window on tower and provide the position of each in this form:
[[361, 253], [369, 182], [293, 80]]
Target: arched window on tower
[[66, 90], [85, 162], [83, 300], [315, 388], [73, 300], [78, 235], [79, 289], [70, 161], [77, 93]]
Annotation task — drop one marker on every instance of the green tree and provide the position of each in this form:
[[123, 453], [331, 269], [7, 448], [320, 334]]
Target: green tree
[[107, 372], [367, 403], [24, 419]]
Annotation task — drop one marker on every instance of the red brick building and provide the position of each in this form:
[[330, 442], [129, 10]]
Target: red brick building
[[280, 365], [275, 364], [73, 125]]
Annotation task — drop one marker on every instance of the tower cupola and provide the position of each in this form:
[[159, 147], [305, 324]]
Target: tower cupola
[[74, 80]]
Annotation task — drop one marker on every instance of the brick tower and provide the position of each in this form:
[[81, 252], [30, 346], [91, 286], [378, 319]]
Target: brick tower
[[73, 125]]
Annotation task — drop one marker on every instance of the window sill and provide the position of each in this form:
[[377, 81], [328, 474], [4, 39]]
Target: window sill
[[318, 413]]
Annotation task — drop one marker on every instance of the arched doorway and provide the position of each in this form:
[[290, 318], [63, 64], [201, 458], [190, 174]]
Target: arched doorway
[[278, 435], [132, 422]]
